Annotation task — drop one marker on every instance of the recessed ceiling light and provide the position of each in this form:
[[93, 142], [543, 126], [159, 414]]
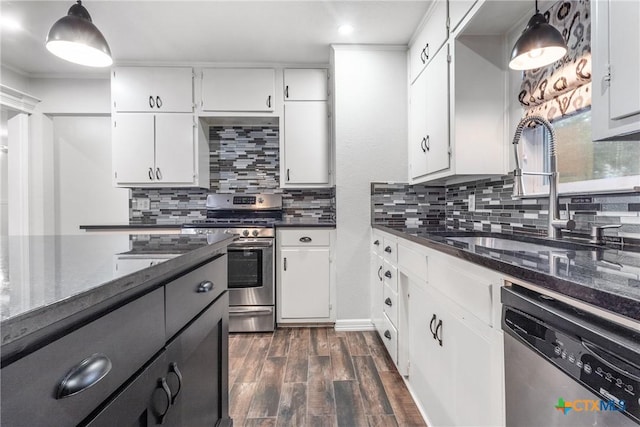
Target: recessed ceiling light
[[10, 24], [345, 29]]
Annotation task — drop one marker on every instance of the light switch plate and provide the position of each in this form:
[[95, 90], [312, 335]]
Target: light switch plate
[[143, 204]]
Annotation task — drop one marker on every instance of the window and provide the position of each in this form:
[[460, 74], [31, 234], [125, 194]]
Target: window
[[584, 165]]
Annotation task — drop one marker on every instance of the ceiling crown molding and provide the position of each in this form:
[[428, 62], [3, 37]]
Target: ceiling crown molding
[[17, 100]]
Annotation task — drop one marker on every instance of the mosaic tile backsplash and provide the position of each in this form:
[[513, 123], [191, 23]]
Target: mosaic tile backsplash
[[242, 159], [410, 206], [497, 211]]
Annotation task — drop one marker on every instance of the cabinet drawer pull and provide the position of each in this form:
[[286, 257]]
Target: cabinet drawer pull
[[285, 264], [377, 243], [423, 145], [379, 275], [387, 274], [427, 143], [203, 287], [173, 369], [388, 302], [305, 239], [433, 320], [387, 335], [158, 174], [423, 56], [151, 102], [158, 102], [286, 91], [426, 52], [162, 384], [387, 249], [84, 375], [151, 174], [288, 175], [269, 101], [439, 335]]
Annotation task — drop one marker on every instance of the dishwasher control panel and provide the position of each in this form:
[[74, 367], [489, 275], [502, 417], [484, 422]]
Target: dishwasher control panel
[[616, 381]]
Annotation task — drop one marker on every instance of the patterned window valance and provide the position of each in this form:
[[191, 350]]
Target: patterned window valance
[[563, 87]]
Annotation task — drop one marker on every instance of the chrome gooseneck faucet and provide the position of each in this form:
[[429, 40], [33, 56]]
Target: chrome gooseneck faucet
[[554, 224]]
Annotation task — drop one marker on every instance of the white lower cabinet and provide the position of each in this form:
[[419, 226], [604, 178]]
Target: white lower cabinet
[[304, 276], [441, 327]]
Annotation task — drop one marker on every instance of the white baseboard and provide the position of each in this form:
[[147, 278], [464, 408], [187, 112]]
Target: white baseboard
[[354, 325]]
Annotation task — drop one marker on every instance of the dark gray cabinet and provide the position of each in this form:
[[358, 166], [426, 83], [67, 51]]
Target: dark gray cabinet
[[161, 359]]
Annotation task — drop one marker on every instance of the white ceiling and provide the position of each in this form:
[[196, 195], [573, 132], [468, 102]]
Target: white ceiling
[[294, 31]]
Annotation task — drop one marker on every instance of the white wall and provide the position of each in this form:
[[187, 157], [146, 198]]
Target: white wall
[[84, 192], [14, 80], [370, 134]]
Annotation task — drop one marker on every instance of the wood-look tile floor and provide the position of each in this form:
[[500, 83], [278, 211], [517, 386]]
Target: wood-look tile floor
[[316, 377]]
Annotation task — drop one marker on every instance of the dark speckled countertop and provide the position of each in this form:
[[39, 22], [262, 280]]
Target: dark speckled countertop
[[48, 281], [606, 277], [304, 223]]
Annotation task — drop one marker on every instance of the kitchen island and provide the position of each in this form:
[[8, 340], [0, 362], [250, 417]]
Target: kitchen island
[[145, 317]]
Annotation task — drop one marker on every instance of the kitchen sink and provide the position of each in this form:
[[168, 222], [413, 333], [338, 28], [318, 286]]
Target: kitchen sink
[[499, 243]]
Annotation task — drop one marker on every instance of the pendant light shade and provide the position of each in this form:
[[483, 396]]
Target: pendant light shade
[[75, 39], [540, 44]]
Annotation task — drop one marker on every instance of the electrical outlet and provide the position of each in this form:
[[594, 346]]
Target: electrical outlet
[[143, 204], [472, 202]]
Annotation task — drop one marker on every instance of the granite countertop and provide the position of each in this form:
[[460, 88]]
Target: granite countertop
[[48, 280], [304, 223], [606, 277]]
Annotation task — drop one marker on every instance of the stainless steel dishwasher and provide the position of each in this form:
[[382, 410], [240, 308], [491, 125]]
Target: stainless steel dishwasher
[[565, 366]]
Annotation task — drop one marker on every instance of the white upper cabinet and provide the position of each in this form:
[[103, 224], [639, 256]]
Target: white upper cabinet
[[152, 89], [432, 36], [417, 148], [616, 67], [306, 154], [158, 150], [238, 89], [458, 9], [305, 84]]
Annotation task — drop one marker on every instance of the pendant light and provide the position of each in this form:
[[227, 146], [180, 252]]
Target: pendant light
[[540, 44], [75, 39]]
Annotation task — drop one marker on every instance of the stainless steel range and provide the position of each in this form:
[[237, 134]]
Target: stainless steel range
[[251, 257]]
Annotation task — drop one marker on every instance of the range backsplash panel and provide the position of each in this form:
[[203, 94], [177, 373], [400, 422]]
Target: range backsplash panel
[[496, 210], [241, 159]]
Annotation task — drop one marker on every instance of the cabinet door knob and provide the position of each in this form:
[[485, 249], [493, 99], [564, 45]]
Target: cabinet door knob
[[151, 174], [162, 384], [305, 239], [377, 243], [387, 274], [387, 335], [204, 287], [388, 302], [158, 174], [433, 320], [387, 249], [158, 102], [84, 375], [173, 369], [439, 332], [151, 102], [379, 275]]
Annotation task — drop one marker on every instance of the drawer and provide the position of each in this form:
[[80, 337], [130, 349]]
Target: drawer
[[390, 250], [413, 262], [126, 338], [390, 304], [390, 276], [376, 243], [304, 237], [190, 294], [390, 338]]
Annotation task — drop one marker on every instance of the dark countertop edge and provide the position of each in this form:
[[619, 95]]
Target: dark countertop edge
[[604, 300], [31, 330], [128, 226], [305, 225]]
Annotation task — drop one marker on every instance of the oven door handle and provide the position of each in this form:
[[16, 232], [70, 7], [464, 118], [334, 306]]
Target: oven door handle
[[237, 311], [249, 248]]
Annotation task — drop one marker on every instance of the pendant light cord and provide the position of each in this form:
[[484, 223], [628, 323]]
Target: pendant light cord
[[537, 10]]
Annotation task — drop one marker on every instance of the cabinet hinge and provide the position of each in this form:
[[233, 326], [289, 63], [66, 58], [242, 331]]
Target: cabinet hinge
[[607, 76], [449, 150], [114, 104], [115, 175], [448, 23], [114, 74], [449, 58], [330, 307], [115, 124]]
